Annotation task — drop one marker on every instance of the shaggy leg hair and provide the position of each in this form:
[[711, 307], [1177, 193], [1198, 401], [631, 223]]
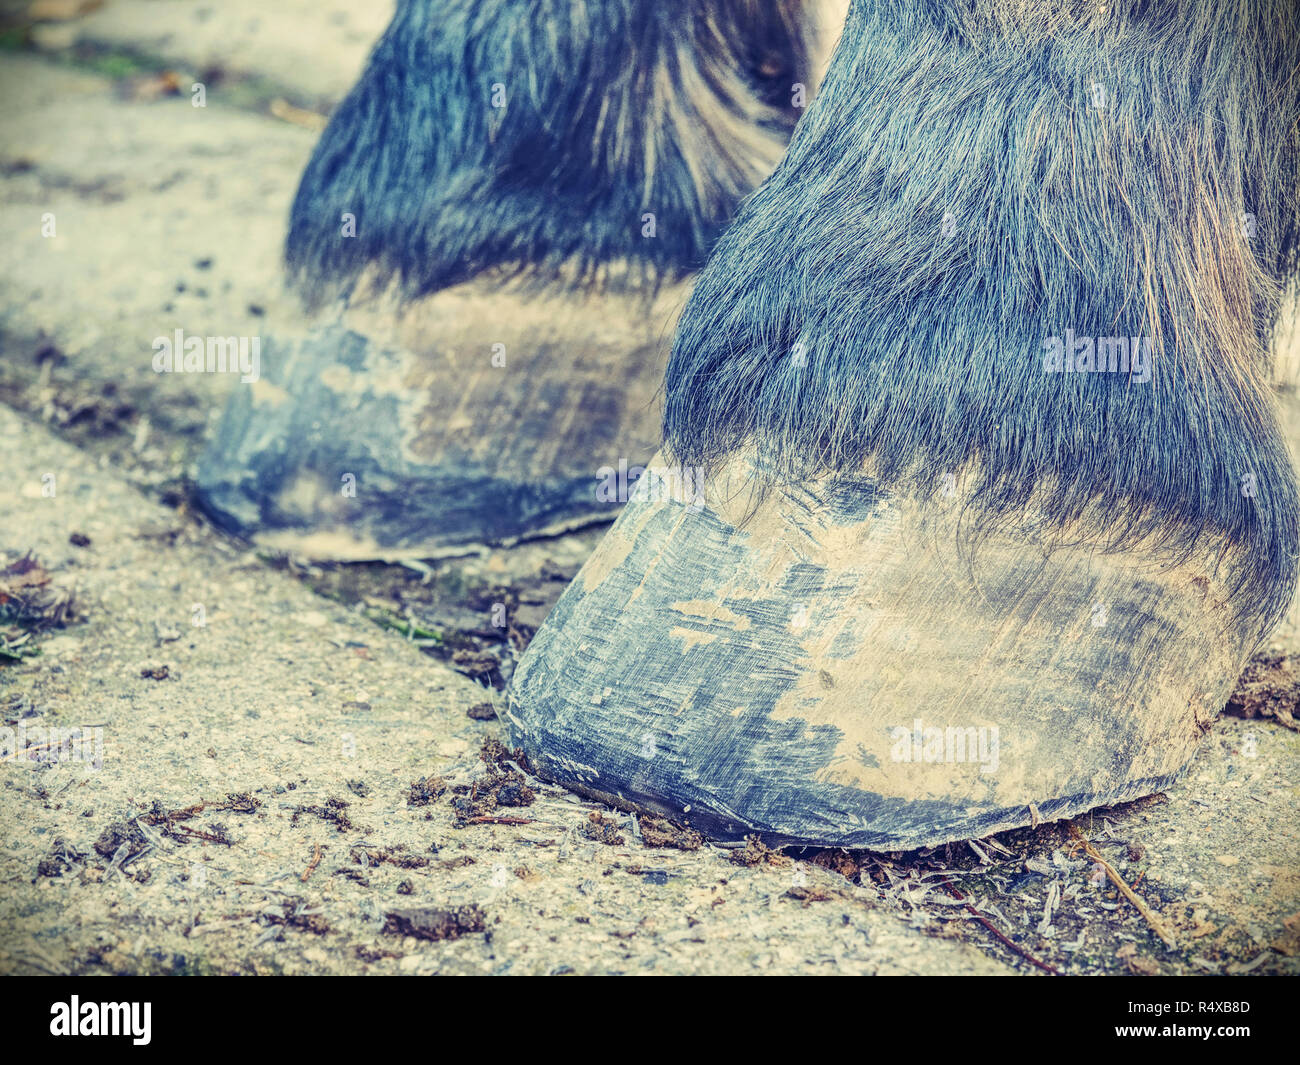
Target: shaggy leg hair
[[980, 184], [530, 135]]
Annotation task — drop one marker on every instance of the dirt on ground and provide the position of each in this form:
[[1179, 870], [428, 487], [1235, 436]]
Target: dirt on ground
[[234, 762], [1269, 688]]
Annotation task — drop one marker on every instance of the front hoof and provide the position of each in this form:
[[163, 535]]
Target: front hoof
[[831, 666]]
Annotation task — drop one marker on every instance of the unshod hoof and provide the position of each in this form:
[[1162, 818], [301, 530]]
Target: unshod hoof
[[475, 416], [838, 665]]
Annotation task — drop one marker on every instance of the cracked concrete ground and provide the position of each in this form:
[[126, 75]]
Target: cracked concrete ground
[[171, 216], [292, 701]]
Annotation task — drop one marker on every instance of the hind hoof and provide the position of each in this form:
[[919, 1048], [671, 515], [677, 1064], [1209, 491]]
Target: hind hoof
[[472, 417]]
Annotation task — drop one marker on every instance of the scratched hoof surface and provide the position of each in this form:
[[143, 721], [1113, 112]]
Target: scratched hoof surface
[[822, 666], [475, 416]]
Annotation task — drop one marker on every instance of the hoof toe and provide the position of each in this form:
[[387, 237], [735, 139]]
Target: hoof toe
[[827, 666]]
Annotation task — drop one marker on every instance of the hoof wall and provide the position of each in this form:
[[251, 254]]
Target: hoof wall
[[472, 418], [824, 667]]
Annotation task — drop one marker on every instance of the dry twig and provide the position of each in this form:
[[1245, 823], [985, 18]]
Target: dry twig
[[1156, 924]]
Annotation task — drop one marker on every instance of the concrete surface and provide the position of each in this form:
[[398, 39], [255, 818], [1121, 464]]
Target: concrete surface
[[312, 49], [288, 699], [169, 216]]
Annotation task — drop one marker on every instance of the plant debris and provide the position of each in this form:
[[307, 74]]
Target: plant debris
[[660, 832], [30, 604], [426, 790], [503, 784], [837, 861], [478, 664], [435, 924], [603, 829], [398, 856], [169, 821], [62, 857], [756, 852], [121, 842], [294, 915], [807, 894], [1154, 921], [1269, 688], [334, 812]]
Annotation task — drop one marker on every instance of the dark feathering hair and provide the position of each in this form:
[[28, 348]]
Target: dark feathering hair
[[1170, 211], [614, 108]]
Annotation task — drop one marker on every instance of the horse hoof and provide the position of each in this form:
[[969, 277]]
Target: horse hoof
[[839, 665], [474, 416]]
